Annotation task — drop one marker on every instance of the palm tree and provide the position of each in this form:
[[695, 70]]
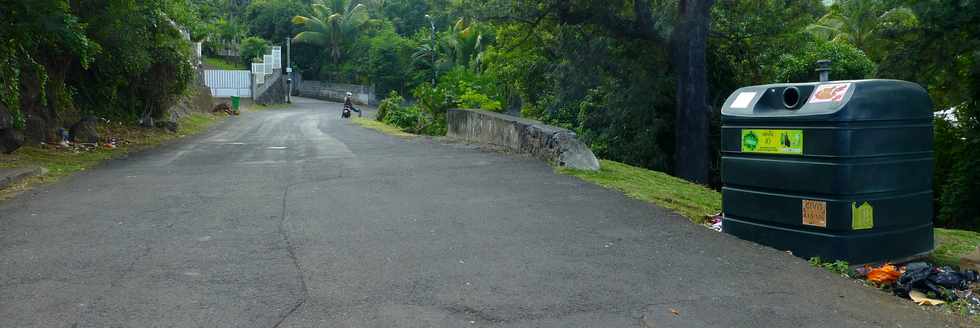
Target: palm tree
[[861, 23], [332, 25]]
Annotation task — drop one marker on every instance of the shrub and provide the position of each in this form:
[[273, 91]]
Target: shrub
[[468, 89], [957, 179], [433, 101], [404, 117], [472, 99], [847, 62], [390, 104]]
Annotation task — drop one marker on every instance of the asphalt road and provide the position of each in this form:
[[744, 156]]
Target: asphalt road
[[294, 218]]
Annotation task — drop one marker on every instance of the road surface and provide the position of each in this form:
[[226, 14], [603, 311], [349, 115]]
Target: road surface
[[295, 218]]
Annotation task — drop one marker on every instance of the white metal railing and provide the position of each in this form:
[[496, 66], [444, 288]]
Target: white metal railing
[[269, 64], [227, 83]]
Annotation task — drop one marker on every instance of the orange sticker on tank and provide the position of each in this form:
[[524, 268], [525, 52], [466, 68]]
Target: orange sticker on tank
[[830, 93]]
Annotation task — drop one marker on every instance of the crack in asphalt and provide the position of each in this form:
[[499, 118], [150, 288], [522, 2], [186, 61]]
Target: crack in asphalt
[[292, 256], [291, 250]]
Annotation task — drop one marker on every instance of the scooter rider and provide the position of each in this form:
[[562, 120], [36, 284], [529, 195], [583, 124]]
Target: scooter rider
[[349, 106]]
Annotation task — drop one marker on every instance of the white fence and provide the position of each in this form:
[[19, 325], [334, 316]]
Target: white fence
[[269, 64], [225, 84]]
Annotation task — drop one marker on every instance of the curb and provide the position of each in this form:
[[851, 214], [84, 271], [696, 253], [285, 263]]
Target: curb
[[12, 176]]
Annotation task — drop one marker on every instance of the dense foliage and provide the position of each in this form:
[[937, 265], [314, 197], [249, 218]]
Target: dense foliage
[[118, 59]]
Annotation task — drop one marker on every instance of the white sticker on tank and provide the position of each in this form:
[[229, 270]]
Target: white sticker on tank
[[743, 100], [830, 93]]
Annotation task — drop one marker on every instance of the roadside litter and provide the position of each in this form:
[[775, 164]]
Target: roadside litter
[[920, 298], [713, 222], [926, 284], [224, 108], [883, 275]]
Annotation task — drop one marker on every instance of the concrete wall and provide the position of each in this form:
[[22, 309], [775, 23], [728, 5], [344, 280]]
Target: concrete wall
[[273, 91], [546, 142], [363, 95]]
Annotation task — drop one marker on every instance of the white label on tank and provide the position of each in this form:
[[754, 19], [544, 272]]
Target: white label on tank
[[743, 100]]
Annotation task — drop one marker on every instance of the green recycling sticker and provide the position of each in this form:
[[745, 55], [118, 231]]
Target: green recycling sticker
[[789, 142], [862, 217]]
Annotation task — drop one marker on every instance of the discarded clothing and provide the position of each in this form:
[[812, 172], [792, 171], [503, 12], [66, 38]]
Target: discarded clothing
[[923, 277]]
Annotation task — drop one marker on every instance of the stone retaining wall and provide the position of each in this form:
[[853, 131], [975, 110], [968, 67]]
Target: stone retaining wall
[[363, 95], [553, 144]]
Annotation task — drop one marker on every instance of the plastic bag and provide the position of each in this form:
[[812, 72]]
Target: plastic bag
[[884, 275]]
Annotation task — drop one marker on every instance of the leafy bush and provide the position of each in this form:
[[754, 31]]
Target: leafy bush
[[472, 99], [957, 179], [847, 62], [388, 105], [460, 82], [434, 101], [404, 117], [253, 47]]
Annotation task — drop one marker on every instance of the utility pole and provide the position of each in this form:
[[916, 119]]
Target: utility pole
[[432, 39], [289, 73]]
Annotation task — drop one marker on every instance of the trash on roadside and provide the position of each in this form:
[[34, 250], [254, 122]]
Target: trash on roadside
[[922, 277], [862, 272], [713, 222], [223, 108], [946, 277], [883, 275], [971, 298], [922, 299]]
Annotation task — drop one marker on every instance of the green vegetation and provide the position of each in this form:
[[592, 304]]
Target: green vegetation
[[426, 117], [951, 244], [333, 26], [221, 63], [838, 267], [690, 200], [252, 50], [124, 60], [382, 127]]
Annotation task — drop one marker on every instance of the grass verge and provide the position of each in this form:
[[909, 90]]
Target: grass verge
[[694, 202], [688, 199], [381, 127], [64, 162], [951, 244]]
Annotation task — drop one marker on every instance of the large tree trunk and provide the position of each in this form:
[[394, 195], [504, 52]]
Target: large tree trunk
[[689, 44]]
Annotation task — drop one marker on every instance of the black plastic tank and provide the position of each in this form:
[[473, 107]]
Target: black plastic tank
[[841, 170]]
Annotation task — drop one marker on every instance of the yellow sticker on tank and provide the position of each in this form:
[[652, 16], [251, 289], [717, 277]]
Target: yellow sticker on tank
[[789, 142], [862, 217]]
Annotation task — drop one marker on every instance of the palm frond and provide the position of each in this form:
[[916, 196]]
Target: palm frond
[[314, 38]]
